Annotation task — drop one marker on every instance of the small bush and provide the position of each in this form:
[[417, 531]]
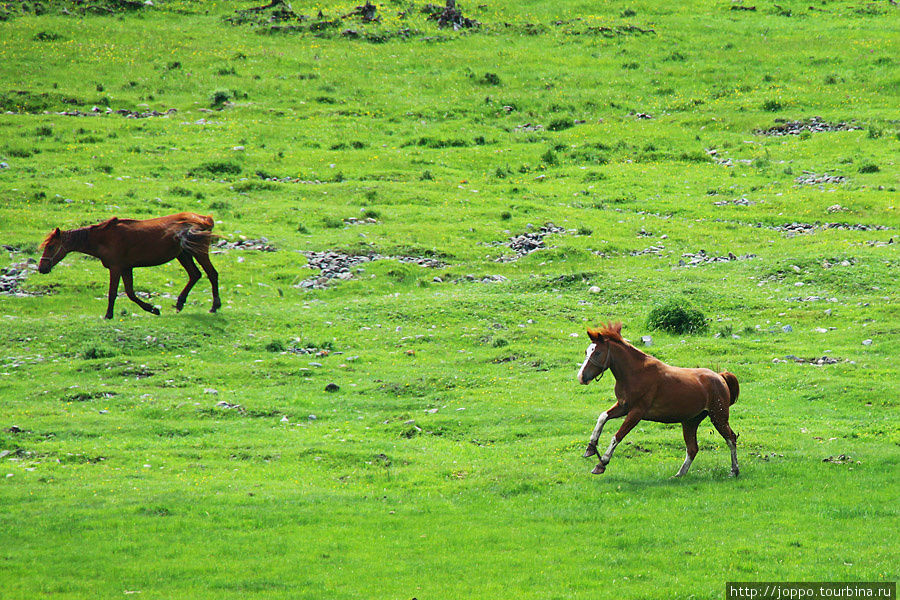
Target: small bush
[[426, 176], [505, 215], [215, 168], [43, 131], [677, 316], [93, 352], [490, 79], [219, 98], [560, 124], [275, 346], [869, 167], [181, 191], [549, 157], [47, 36], [772, 105]]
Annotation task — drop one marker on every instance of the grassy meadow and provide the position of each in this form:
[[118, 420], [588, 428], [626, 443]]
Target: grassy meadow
[[416, 431]]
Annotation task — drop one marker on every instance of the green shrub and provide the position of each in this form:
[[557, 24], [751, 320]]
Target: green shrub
[[215, 168], [677, 316]]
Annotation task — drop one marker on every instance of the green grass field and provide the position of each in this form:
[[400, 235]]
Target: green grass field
[[200, 456]]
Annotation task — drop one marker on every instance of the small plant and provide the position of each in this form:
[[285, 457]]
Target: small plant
[[47, 36], [94, 352], [301, 228], [371, 214], [43, 131], [585, 231], [549, 157], [772, 105], [499, 343], [628, 12], [873, 133], [426, 176], [677, 316], [869, 167], [505, 215], [181, 191]]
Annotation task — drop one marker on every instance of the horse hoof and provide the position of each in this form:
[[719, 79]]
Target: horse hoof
[[155, 311], [591, 451], [734, 472], [600, 468]]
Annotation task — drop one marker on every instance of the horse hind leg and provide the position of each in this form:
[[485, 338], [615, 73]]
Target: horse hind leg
[[719, 418], [193, 277], [128, 280], [114, 275], [213, 275], [689, 429]]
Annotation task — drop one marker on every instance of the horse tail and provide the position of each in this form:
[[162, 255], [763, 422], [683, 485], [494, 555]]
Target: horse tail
[[733, 388], [194, 235]]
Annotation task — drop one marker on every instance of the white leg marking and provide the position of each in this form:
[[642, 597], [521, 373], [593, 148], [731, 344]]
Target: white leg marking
[[687, 465], [599, 428], [734, 463], [608, 454]]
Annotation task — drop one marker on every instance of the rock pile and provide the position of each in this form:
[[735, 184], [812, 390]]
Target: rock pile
[[825, 360], [735, 202], [484, 279], [810, 178], [355, 221], [794, 228], [261, 244], [651, 250], [528, 242], [813, 124], [337, 265], [11, 277], [702, 258], [128, 114]]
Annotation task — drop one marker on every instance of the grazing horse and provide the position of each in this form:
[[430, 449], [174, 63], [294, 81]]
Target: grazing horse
[[647, 388], [123, 244]]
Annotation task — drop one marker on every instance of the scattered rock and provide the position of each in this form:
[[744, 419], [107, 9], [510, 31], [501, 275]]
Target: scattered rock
[[229, 406], [530, 127], [702, 258], [11, 278], [594, 290], [835, 208], [867, 342], [355, 221], [813, 124], [647, 340], [449, 16]]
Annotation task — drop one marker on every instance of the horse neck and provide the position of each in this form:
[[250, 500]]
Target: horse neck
[[78, 240], [625, 360]]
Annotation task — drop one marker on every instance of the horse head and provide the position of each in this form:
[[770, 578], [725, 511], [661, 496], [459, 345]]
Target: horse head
[[54, 251], [597, 356]]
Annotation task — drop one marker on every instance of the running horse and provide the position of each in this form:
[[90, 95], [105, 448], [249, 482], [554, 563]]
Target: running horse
[[649, 389], [124, 244]]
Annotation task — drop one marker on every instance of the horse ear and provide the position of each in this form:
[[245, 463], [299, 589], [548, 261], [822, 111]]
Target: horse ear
[[594, 335], [55, 233]]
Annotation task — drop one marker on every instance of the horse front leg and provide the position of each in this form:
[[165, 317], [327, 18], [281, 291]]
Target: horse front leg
[[128, 280], [617, 410], [114, 274], [631, 419]]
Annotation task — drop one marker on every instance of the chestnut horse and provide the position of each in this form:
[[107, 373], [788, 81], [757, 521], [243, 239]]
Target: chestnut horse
[[647, 388], [123, 244]]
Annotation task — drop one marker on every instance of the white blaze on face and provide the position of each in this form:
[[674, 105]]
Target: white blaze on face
[[587, 354]]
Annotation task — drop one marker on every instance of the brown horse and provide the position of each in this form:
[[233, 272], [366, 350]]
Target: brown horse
[[123, 244], [647, 388]]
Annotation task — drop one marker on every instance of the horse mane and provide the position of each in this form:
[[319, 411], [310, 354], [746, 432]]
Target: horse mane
[[46, 241], [610, 331]]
